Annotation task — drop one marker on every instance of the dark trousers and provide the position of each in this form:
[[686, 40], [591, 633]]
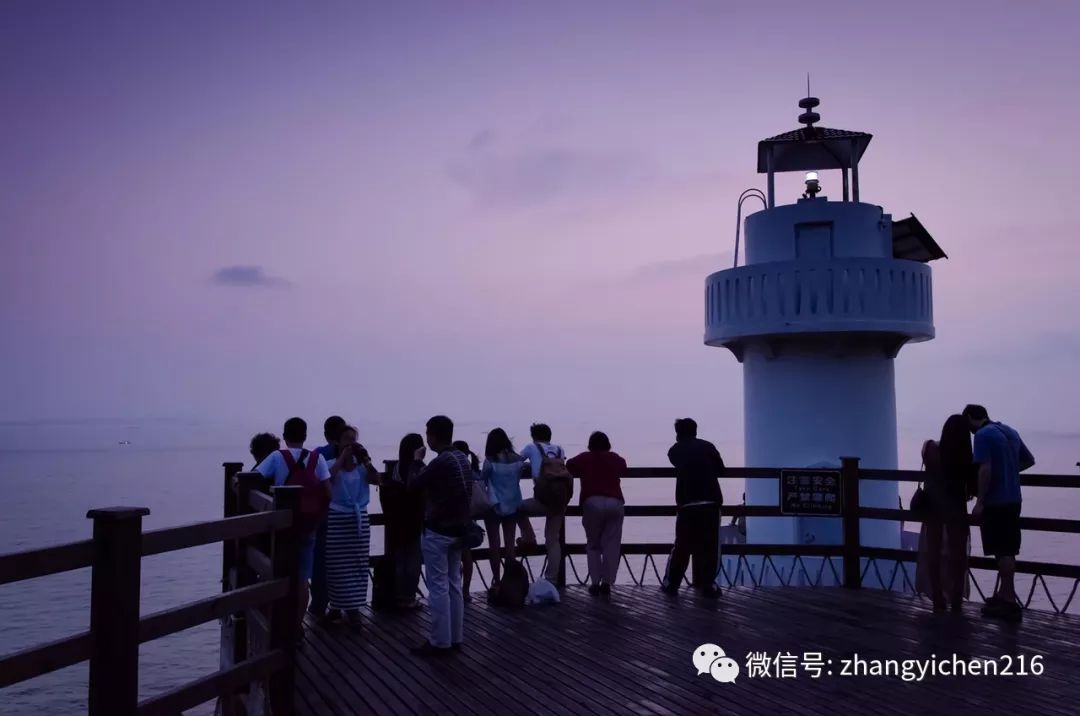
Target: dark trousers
[[320, 597], [697, 535], [407, 563]]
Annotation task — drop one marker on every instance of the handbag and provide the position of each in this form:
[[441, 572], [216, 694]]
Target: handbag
[[920, 501], [480, 501], [473, 536]]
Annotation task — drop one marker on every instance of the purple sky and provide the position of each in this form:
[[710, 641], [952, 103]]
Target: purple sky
[[249, 210]]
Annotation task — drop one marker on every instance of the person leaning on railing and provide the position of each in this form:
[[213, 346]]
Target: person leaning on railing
[[599, 470], [1001, 456], [697, 466]]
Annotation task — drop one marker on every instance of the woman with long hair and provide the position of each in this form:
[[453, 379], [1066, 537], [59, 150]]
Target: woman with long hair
[[502, 473], [403, 510], [466, 554], [348, 530], [945, 533]]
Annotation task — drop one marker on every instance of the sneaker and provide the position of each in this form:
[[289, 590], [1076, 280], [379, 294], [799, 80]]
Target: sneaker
[[353, 619], [427, 649], [671, 589], [710, 592], [605, 589], [594, 590], [957, 605]]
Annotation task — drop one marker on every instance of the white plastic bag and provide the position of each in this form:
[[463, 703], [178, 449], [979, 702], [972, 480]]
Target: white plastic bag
[[542, 592]]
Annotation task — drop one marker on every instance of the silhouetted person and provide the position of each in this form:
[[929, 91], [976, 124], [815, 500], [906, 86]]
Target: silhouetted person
[[466, 554], [444, 484], [1001, 456], [403, 510], [697, 466], [348, 529], [551, 494], [600, 471], [944, 535], [501, 472], [296, 466], [332, 428], [262, 445]]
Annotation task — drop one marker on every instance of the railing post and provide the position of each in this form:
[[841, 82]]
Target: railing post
[[114, 610], [285, 628], [229, 507], [562, 554], [233, 627], [849, 484]]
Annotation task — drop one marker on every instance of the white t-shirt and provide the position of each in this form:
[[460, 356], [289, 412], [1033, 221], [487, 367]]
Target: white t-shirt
[[275, 467], [531, 454]]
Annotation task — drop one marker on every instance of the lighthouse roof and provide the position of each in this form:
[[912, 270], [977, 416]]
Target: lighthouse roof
[[811, 148]]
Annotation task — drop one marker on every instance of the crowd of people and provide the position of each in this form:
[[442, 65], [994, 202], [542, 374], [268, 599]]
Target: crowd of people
[[433, 511]]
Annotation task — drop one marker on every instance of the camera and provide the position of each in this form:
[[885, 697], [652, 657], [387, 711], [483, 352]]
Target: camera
[[360, 453]]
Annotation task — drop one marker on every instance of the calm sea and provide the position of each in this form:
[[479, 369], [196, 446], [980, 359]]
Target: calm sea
[[48, 491]]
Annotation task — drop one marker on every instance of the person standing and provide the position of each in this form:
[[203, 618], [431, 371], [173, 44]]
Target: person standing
[[550, 497], [445, 485], [698, 498], [502, 472], [466, 554], [295, 465], [332, 428], [348, 531], [1001, 456], [943, 540], [262, 445], [403, 509], [600, 470]]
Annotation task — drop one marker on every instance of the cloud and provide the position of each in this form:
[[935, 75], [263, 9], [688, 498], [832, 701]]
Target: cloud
[[697, 267], [514, 178], [246, 277]]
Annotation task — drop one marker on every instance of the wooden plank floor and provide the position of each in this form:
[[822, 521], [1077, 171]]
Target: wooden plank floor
[[631, 654]]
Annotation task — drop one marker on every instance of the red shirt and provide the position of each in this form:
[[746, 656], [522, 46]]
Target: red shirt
[[599, 472]]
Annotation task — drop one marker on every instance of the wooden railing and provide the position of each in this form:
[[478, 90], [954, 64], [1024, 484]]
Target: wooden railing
[[259, 601], [855, 559], [263, 584]]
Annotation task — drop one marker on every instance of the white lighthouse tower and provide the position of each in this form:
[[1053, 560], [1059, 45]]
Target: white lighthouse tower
[[829, 292]]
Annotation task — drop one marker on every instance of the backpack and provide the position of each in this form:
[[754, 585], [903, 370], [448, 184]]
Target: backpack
[[514, 586], [555, 487], [314, 502]]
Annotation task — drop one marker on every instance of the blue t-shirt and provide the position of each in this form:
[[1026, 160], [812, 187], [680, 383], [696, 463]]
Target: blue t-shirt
[[504, 478], [350, 491], [1001, 447]]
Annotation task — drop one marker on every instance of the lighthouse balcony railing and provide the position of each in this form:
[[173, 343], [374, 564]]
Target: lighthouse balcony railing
[[835, 295]]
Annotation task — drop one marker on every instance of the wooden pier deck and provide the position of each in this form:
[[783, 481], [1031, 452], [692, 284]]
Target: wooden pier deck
[[631, 654]]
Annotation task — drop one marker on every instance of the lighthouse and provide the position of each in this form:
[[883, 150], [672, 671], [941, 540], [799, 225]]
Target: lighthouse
[[829, 290]]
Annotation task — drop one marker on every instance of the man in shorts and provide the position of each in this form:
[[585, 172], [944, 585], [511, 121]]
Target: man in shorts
[[1001, 456]]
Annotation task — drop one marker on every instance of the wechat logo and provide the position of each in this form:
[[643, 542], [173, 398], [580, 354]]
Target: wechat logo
[[711, 659]]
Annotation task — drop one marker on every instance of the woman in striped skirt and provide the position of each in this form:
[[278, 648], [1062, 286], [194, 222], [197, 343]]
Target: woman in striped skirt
[[348, 532]]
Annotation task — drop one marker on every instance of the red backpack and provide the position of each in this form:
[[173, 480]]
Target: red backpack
[[314, 502]]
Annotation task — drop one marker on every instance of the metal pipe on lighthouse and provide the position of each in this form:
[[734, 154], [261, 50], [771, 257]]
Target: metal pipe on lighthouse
[[828, 294]]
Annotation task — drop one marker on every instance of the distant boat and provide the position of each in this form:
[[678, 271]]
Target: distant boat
[[124, 442]]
